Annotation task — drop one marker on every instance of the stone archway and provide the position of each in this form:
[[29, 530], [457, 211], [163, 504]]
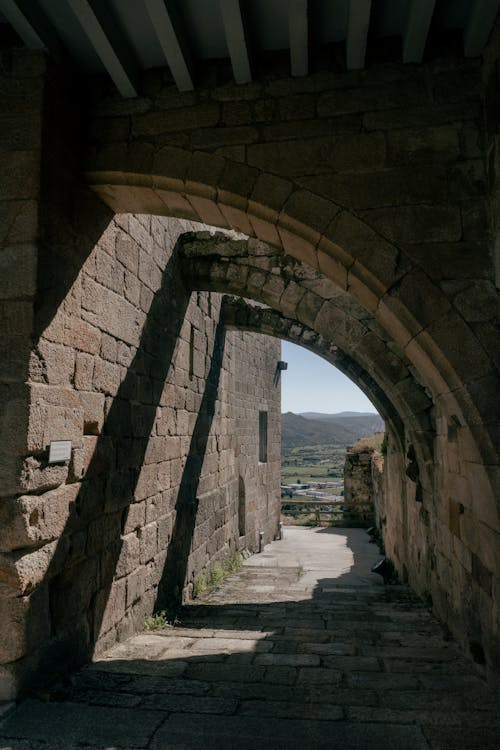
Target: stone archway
[[378, 273], [420, 317], [384, 212]]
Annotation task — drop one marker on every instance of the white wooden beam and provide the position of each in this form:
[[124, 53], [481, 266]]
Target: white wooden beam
[[176, 57], [31, 25], [357, 32], [417, 29], [479, 25], [109, 46], [299, 31], [235, 38]]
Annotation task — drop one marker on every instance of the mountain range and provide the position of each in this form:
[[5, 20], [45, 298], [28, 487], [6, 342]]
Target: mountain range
[[313, 428]]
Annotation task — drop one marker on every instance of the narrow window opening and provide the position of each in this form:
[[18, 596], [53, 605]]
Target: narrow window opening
[[241, 507], [191, 352], [263, 436]]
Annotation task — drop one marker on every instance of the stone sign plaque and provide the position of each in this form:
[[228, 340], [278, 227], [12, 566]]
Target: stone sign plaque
[[59, 451]]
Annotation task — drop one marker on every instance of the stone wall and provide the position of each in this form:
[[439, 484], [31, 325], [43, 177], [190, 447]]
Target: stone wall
[[161, 405], [358, 488], [109, 348], [491, 78], [252, 395], [22, 81]]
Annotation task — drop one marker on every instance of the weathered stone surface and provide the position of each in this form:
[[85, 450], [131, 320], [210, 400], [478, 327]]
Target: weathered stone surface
[[38, 475], [18, 640], [293, 158], [24, 571], [18, 264], [358, 486], [406, 224], [31, 519], [89, 724]]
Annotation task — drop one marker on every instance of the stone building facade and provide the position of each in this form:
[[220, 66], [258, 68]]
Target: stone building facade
[[104, 344], [371, 202]]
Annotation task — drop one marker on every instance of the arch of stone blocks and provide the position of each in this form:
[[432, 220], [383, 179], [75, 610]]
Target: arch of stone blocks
[[305, 307], [431, 324], [417, 315], [243, 315]]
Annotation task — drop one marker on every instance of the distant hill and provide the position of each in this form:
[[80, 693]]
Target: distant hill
[[337, 429], [321, 416]]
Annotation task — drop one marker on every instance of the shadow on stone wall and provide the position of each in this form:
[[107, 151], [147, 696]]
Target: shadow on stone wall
[[174, 573], [81, 572]]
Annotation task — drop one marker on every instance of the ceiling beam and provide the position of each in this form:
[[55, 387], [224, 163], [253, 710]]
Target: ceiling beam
[[110, 47], [357, 33], [299, 32], [31, 25], [479, 25], [235, 38], [417, 30], [175, 55]]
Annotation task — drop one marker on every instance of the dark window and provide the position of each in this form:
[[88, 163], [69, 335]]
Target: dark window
[[263, 436], [241, 507], [191, 352]]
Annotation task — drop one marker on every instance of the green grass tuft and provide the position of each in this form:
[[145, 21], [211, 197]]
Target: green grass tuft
[[212, 578], [200, 584], [158, 621], [216, 575]]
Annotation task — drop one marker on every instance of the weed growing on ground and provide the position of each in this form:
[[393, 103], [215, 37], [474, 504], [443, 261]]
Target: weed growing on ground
[[233, 564], [159, 621], [217, 573], [200, 584]]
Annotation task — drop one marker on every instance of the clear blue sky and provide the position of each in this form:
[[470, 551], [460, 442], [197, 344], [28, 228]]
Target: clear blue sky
[[312, 384]]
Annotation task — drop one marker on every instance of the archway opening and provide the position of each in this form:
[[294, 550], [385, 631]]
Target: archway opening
[[332, 445]]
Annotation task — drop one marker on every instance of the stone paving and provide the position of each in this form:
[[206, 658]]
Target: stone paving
[[305, 648]]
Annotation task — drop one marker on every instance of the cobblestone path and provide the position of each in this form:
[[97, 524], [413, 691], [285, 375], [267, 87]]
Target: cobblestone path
[[304, 648]]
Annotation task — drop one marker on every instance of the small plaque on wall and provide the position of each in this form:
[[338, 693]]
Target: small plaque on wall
[[59, 451]]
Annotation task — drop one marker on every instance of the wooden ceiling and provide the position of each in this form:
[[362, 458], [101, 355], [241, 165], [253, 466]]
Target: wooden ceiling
[[123, 37]]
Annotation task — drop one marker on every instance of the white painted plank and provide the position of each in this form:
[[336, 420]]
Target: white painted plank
[[357, 33], [176, 59], [417, 30], [115, 60], [479, 25], [298, 30], [235, 38]]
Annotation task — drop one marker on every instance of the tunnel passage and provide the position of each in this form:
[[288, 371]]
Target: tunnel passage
[[425, 307], [306, 308], [377, 199]]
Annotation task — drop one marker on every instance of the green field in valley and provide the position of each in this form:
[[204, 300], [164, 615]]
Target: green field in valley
[[317, 463]]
